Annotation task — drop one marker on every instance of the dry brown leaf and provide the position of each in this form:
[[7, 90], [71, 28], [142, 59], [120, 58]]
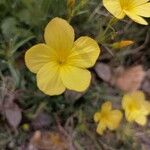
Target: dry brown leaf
[[42, 121], [103, 71], [48, 141], [8, 107], [13, 115], [125, 79], [128, 79]]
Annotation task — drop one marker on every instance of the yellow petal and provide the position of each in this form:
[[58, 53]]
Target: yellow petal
[[84, 53], [126, 100], [37, 56], [130, 116], [135, 17], [59, 35], [133, 115], [114, 119], [75, 78], [141, 120], [138, 2], [138, 95], [144, 108], [135, 98], [97, 116], [143, 10], [114, 7], [100, 128], [49, 80], [107, 106], [147, 105]]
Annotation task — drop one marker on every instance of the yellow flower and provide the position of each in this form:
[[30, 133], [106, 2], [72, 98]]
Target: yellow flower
[[61, 63], [107, 118], [136, 107], [134, 9]]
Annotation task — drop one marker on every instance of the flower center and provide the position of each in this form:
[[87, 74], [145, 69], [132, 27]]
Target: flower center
[[125, 5], [105, 116], [62, 57], [61, 61], [133, 108]]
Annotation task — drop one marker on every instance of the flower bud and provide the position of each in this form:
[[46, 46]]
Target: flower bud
[[71, 3], [122, 44]]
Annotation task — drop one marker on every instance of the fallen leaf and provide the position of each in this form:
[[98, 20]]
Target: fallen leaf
[[103, 71], [13, 115], [128, 79], [42, 121], [48, 141]]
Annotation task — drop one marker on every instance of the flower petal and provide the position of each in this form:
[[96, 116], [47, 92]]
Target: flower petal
[[114, 119], [130, 116], [59, 34], [75, 78], [37, 56], [137, 96], [84, 53], [136, 3], [143, 10], [97, 116], [126, 100], [147, 106], [134, 98], [135, 17], [49, 81], [106, 107], [141, 120], [100, 128], [114, 7]]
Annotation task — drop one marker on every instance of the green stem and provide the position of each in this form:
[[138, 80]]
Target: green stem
[[70, 14], [87, 131], [102, 36], [14, 72]]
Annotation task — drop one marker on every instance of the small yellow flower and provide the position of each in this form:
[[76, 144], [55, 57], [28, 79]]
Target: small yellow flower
[[134, 9], [136, 107], [61, 63], [107, 118], [122, 44]]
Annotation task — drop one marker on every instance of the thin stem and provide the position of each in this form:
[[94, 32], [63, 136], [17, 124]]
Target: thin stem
[[87, 131], [14, 72], [102, 36], [1, 75], [70, 14]]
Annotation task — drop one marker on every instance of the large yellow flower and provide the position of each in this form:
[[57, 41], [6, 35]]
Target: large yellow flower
[[61, 63], [107, 118], [136, 107], [135, 9]]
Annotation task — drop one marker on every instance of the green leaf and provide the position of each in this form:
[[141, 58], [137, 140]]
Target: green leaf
[[21, 43]]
